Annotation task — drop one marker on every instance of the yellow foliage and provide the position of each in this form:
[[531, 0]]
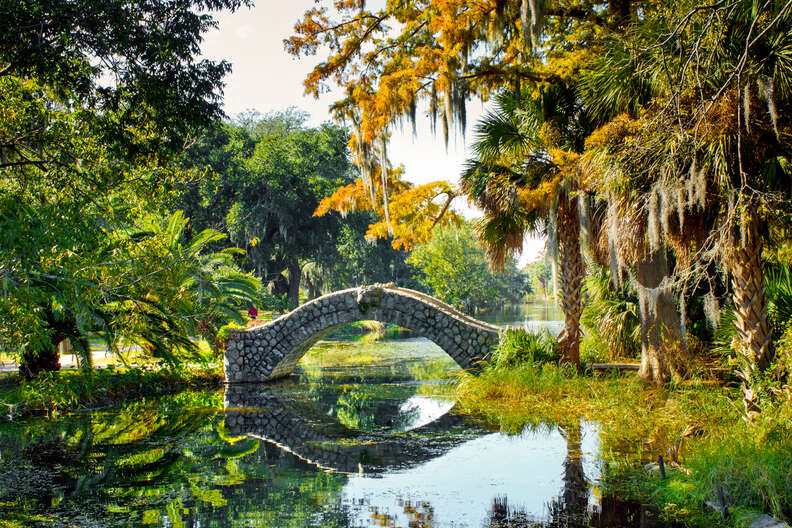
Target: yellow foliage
[[442, 52], [414, 210], [540, 197]]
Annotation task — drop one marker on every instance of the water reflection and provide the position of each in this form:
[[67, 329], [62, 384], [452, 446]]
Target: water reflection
[[461, 484], [534, 316], [343, 447], [182, 461], [327, 444], [419, 410]]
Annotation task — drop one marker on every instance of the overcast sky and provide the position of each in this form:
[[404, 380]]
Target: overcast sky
[[265, 78]]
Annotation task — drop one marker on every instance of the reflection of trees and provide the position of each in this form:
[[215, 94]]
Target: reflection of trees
[[149, 461], [571, 507], [354, 409], [501, 515], [361, 406], [567, 510], [420, 514]]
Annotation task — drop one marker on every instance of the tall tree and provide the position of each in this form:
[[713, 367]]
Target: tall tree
[[442, 54], [525, 177], [137, 63], [97, 96], [709, 155], [262, 183], [454, 268]]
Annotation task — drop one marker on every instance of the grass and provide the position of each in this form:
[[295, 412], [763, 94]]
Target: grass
[[335, 355], [696, 425], [67, 390], [518, 346], [369, 332]]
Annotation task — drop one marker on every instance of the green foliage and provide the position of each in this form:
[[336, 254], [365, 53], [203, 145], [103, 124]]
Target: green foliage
[[455, 269], [750, 462], [353, 409], [188, 292], [778, 286], [140, 65], [146, 286], [84, 163], [262, 181], [518, 347], [611, 319], [782, 363], [369, 332], [58, 392], [540, 276], [357, 260]]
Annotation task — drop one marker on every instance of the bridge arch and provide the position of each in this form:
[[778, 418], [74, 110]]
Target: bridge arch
[[272, 350], [262, 415]]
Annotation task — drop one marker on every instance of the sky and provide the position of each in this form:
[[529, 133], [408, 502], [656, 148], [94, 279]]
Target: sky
[[265, 78]]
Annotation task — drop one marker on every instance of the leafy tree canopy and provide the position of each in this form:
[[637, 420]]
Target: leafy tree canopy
[[135, 62], [95, 99], [454, 268], [262, 178]]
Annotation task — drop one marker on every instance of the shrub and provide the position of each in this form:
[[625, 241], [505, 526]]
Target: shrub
[[611, 319], [518, 347]]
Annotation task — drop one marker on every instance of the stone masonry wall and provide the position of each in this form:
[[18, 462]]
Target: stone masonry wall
[[271, 351]]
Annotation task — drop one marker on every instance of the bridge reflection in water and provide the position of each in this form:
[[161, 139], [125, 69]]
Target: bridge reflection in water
[[317, 439], [445, 473]]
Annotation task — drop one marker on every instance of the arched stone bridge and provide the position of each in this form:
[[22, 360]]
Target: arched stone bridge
[[272, 350]]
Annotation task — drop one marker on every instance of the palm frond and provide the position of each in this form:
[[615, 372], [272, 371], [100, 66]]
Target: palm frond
[[502, 235]]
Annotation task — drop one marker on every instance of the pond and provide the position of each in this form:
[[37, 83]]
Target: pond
[[365, 435], [535, 315]]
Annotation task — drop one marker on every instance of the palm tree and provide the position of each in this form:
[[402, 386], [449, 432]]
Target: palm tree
[[189, 291], [616, 90], [708, 158], [524, 178]]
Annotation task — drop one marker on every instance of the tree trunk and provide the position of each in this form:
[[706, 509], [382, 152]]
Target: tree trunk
[[571, 276], [662, 344], [750, 309], [750, 303], [295, 273], [36, 361], [313, 288]]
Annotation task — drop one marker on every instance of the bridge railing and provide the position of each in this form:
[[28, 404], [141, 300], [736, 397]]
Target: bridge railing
[[437, 303]]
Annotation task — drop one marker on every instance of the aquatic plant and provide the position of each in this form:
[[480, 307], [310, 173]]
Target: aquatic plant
[[55, 392]]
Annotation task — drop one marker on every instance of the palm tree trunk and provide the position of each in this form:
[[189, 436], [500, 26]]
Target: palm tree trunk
[[750, 303], [572, 274], [662, 344], [295, 273], [750, 309]]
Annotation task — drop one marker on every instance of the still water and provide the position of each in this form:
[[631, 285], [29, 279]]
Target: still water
[[365, 435]]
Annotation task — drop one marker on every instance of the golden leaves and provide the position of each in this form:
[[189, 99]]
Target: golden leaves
[[414, 210], [540, 197], [352, 197]]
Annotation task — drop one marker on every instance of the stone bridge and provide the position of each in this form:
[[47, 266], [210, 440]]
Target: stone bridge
[[326, 444], [272, 350]]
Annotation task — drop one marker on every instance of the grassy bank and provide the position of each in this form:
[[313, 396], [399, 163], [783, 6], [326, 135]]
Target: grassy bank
[[698, 428], [67, 390]]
